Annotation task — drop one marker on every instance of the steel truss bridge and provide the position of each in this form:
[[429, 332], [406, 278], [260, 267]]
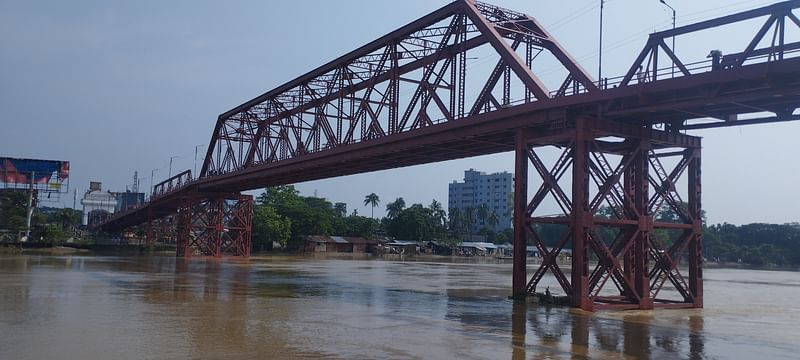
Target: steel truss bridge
[[402, 100]]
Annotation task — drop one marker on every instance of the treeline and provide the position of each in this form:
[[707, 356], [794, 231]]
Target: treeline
[[49, 225], [755, 244], [283, 216]]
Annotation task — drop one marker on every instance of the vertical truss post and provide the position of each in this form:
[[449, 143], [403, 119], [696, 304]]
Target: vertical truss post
[[696, 242], [215, 215], [630, 204], [149, 236], [520, 215], [641, 242], [184, 228], [237, 236], [581, 217]]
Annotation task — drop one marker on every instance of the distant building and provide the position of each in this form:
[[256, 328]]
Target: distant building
[[127, 200], [339, 244], [478, 188], [97, 201]]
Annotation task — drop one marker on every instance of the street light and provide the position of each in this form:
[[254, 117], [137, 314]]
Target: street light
[[170, 165], [673, 34], [195, 159], [600, 58], [152, 175]]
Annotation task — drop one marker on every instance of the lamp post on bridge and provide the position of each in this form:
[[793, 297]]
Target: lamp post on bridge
[[152, 175], [600, 56], [194, 172], [673, 35], [170, 165]]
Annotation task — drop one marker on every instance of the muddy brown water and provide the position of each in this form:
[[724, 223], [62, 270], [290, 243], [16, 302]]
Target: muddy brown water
[[90, 307]]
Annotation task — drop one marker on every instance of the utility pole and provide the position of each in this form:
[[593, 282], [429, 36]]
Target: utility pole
[[673, 34], [170, 165], [194, 172], [30, 209], [152, 175], [600, 57]]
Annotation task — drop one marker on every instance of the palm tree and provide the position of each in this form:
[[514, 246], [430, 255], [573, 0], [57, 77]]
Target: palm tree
[[394, 208], [455, 220], [340, 209], [469, 219], [483, 212], [68, 218], [438, 211], [493, 220], [373, 200]]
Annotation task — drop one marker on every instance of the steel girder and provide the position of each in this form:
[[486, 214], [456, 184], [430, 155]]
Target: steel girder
[[622, 215]]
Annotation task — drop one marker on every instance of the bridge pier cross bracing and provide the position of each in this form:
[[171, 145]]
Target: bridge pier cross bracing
[[619, 188], [214, 225]]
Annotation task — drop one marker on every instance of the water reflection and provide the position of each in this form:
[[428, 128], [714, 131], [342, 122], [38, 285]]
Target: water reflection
[[543, 332], [162, 307]]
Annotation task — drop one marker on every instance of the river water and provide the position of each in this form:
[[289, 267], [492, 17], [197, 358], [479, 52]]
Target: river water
[[89, 307]]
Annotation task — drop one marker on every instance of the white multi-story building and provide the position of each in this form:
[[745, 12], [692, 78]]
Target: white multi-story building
[[96, 199], [478, 188]]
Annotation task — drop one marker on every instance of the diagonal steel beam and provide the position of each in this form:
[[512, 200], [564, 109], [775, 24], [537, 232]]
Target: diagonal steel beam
[[509, 56]]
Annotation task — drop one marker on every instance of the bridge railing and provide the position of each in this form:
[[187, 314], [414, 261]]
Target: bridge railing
[[649, 66], [173, 183]]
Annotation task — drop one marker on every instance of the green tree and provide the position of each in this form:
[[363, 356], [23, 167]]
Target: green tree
[[440, 217], [269, 227], [47, 233], [340, 209], [69, 219], [469, 219], [492, 220], [13, 205], [414, 223], [359, 226], [483, 212], [372, 200], [393, 209], [308, 215], [455, 222]]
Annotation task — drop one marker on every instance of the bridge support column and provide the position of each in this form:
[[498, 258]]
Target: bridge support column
[[215, 225], [149, 236], [624, 241], [520, 201]]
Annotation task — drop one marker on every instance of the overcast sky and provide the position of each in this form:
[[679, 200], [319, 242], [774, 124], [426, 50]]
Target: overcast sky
[[116, 87]]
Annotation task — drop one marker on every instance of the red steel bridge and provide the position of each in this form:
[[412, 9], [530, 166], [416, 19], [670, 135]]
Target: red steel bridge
[[408, 98]]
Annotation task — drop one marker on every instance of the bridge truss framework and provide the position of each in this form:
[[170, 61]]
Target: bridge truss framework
[[612, 166], [612, 182]]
